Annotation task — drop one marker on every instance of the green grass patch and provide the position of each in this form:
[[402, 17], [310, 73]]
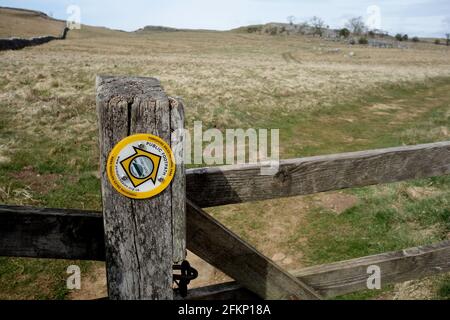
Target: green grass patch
[[32, 279], [444, 289], [393, 115]]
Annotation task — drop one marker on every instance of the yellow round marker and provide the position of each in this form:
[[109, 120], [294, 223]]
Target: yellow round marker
[[141, 166]]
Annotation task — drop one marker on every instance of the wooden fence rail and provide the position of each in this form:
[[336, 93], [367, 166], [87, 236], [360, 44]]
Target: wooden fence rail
[[75, 234], [45, 225], [335, 279], [216, 186]]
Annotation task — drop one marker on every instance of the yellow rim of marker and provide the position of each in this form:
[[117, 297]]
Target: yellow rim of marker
[[113, 162]]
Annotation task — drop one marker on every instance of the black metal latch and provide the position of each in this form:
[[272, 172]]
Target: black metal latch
[[185, 277]]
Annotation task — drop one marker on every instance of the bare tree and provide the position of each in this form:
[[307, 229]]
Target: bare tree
[[291, 19], [302, 27], [446, 22], [356, 25], [318, 25]]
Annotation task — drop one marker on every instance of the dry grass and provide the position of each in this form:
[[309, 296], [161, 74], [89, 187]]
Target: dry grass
[[27, 24], [228, 80]]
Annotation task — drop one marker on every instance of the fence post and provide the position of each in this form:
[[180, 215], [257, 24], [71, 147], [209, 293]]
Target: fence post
[[143, 238]]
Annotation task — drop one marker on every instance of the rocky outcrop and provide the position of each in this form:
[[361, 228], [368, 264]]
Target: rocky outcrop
[[20, 43]]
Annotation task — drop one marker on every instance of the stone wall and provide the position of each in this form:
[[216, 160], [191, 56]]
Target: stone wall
[[20, 43]]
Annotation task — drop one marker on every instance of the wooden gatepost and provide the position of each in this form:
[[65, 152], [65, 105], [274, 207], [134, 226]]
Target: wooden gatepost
[[143, 238]]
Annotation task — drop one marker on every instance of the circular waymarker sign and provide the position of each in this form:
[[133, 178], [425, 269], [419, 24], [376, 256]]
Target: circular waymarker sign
[[141, 166]]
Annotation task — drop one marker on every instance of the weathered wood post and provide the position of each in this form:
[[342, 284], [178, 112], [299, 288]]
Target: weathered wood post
[[143, 238]]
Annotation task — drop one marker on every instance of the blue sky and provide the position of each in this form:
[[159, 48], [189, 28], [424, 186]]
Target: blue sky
[[415, 17]]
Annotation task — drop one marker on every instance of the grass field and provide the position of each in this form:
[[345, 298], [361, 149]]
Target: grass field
[[27, 24], [323, 101]]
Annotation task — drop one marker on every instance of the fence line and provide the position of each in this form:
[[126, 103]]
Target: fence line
[[139, 240], [78, 235]]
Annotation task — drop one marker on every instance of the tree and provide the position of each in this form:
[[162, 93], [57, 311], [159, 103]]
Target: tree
[[344, 33], [437, 41], [405, 37], [302, 27], [291, 20], [399, 37], [356, 25], [415, 39], [318, 25], [446, 22], [363, 40]]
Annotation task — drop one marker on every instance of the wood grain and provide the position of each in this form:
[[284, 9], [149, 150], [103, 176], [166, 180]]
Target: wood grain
[[344, 277], [216, 186], [179, 181], [51, 233], [138, 233], [220, 247]]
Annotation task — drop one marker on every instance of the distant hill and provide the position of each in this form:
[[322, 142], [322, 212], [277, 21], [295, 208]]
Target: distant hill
[[157, 28], [276, 28], [148, 29], [27, 23]]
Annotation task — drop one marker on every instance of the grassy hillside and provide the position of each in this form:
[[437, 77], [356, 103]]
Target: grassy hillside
[[324, 97], [27, 24]]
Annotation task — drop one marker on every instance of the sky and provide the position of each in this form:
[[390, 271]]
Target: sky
[[426, 18]]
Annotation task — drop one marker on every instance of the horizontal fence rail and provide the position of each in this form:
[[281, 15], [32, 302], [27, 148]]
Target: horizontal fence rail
[[74, 234], [335, 279], [51, 233], [216, 186]]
